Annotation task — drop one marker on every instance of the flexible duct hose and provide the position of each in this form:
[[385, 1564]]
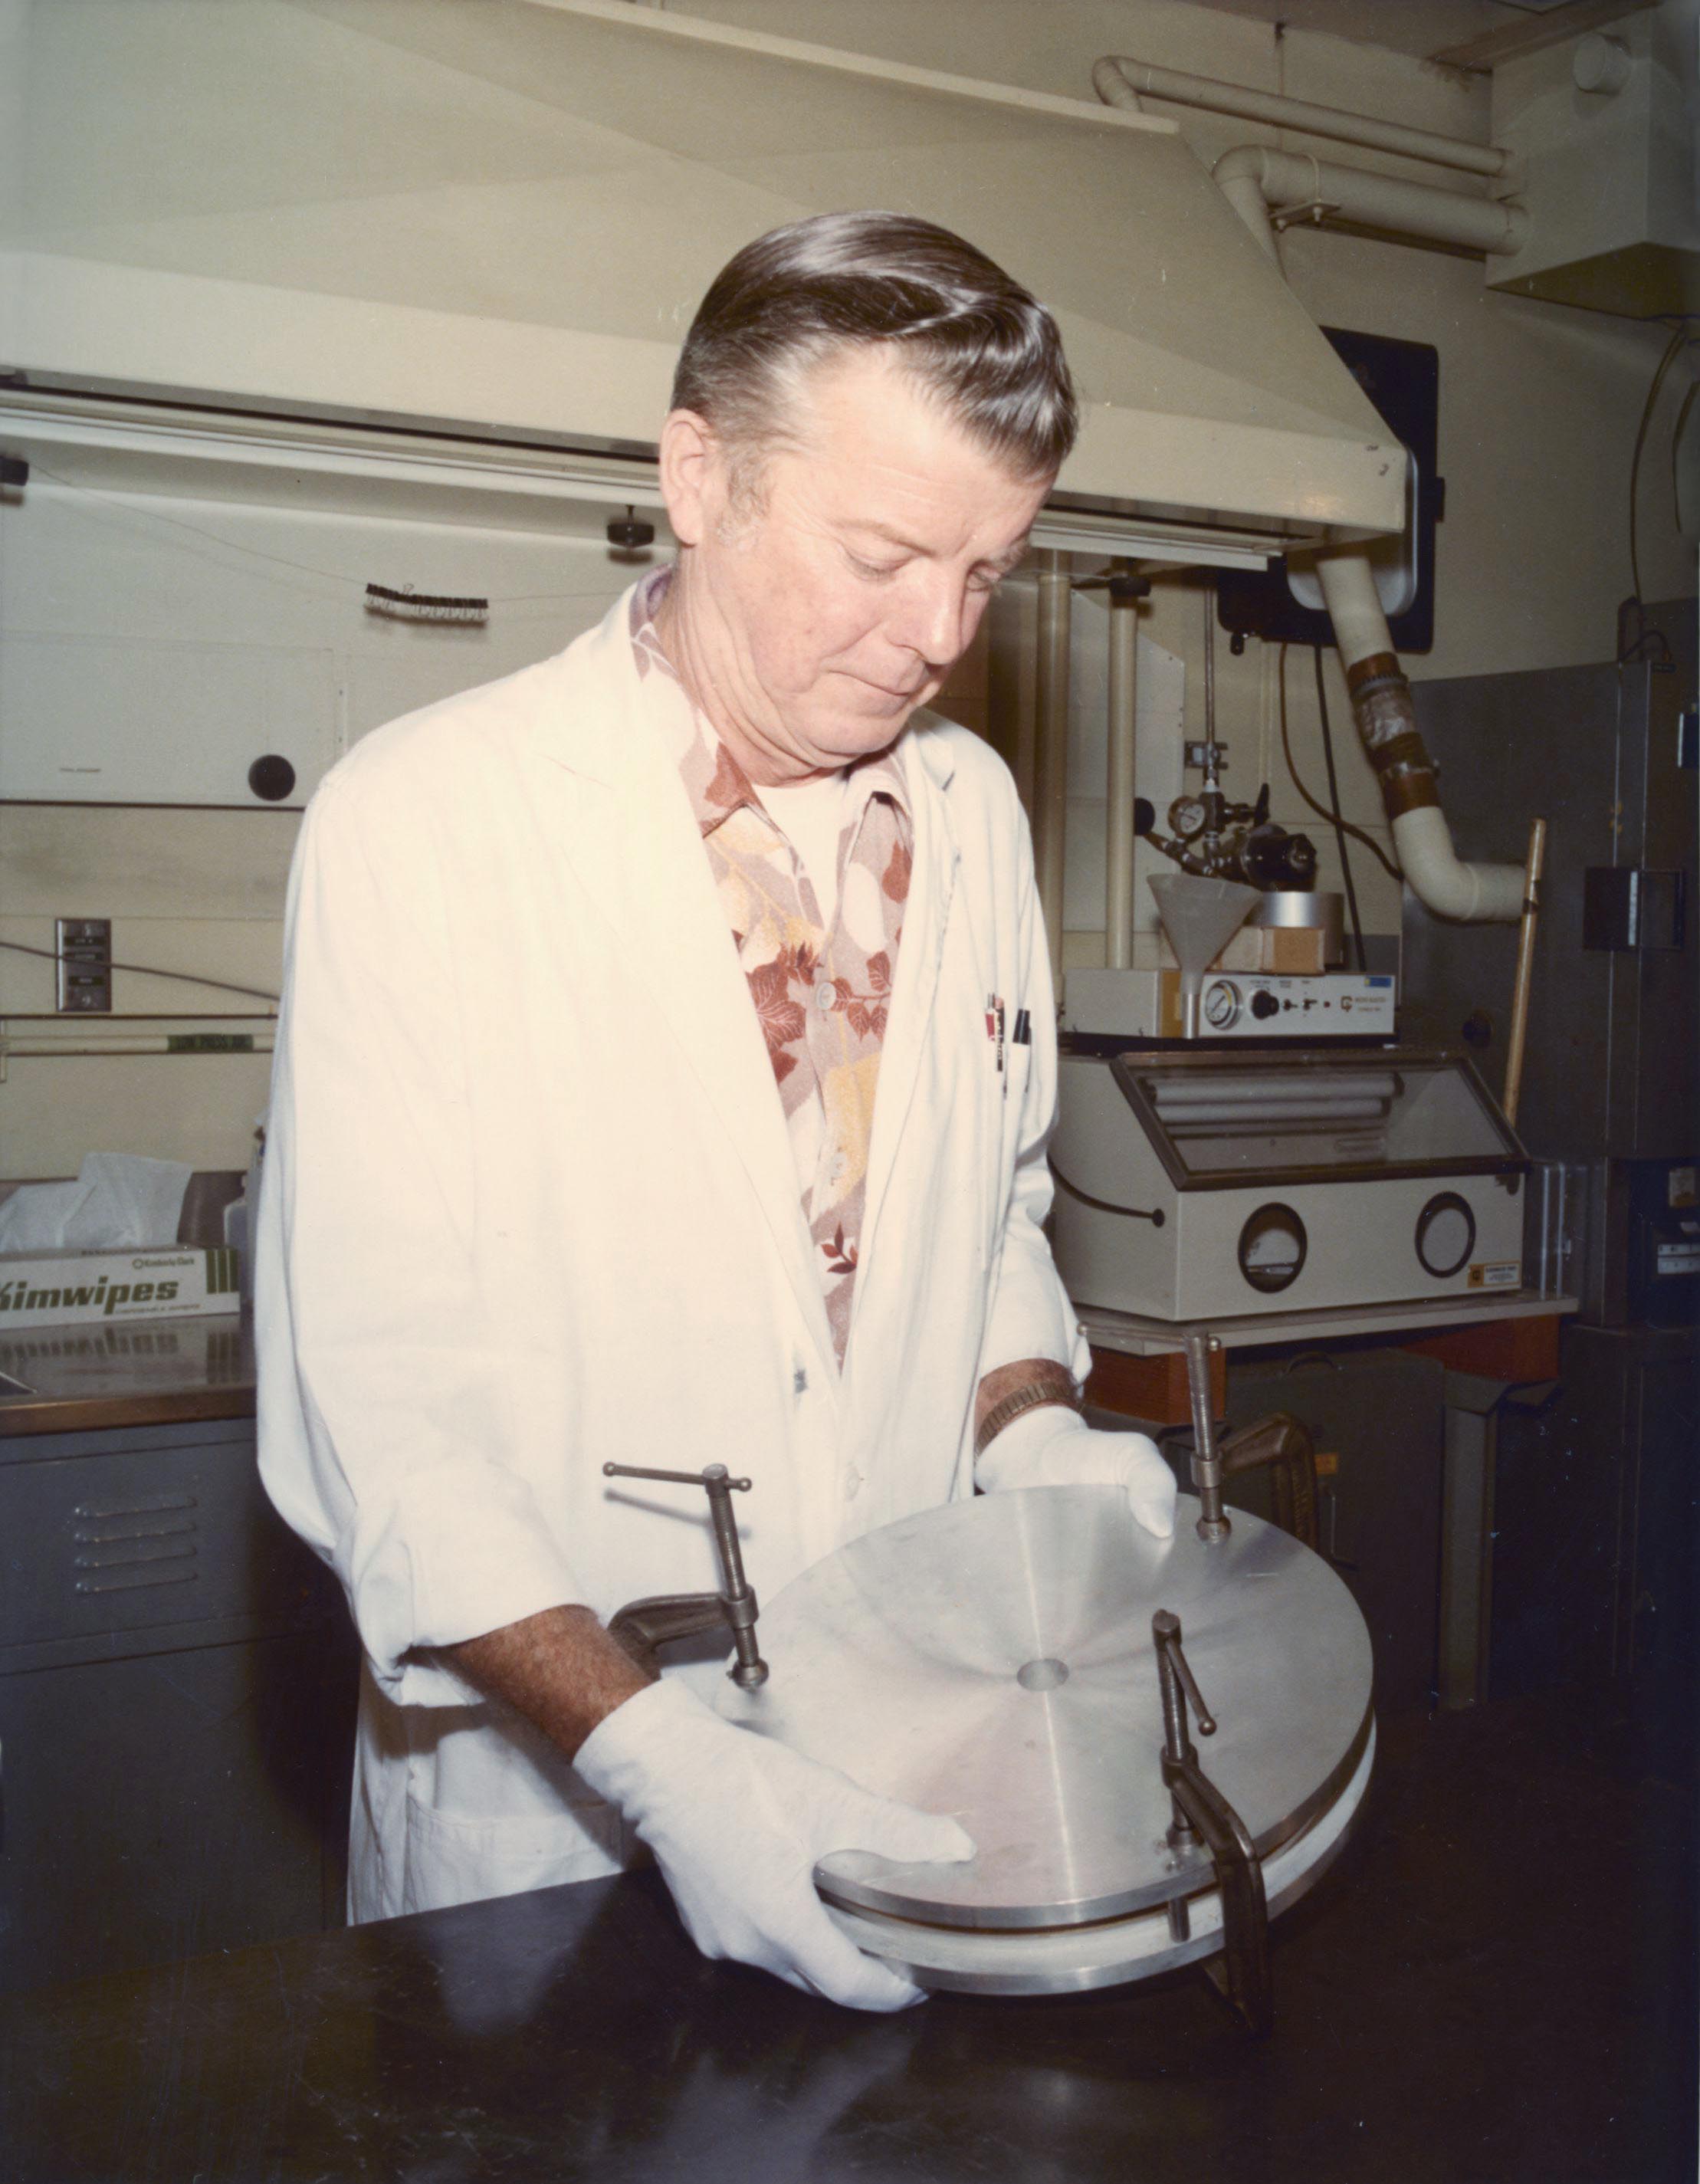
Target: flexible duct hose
[[1386, 720]]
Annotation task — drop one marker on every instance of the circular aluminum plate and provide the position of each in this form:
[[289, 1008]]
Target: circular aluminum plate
[[993, 1659], [1073, 1960]]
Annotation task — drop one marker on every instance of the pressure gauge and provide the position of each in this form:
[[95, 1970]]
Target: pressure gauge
[[1273, 1245], [1221, 1004], [1187, 816], [1446, 1234]]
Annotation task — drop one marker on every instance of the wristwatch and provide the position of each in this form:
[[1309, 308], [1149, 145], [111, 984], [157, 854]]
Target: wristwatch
[[1031, 1395]]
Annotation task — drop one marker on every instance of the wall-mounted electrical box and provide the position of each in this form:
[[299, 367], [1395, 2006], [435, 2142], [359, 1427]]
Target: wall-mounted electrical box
[[1604, 126], [91, 717], [82, 983]]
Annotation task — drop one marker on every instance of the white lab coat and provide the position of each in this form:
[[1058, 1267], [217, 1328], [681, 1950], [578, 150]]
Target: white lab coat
[[530, 1205]]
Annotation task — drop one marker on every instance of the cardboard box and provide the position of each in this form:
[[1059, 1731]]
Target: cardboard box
[[1279, 951], [44, 1289]]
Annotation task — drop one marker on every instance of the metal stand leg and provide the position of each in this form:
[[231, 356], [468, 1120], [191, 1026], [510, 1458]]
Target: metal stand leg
[[1466, 1538]]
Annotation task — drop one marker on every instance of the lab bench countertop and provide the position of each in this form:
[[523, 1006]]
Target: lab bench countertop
[[1496, 1983], [90, 1377]]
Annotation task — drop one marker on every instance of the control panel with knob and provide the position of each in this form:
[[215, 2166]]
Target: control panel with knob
[[1264, 1005]]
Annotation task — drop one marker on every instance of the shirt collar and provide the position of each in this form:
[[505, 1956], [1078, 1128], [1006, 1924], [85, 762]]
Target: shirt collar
[[715, 781]]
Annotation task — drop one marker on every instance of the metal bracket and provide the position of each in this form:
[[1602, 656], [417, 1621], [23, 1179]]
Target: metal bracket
[[1313, 209], [1202, 1814], [641, 1625]]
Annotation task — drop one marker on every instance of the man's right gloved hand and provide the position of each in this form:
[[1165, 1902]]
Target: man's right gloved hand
[[737, 1823]]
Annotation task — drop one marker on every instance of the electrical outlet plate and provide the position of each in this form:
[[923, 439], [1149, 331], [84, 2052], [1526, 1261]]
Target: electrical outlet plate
[[83, 968]]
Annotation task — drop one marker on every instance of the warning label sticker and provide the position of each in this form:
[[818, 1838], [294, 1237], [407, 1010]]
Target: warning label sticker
[[1496, 1274]]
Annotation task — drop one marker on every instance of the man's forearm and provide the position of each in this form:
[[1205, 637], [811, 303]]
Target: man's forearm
[[561, 1669], [563, 1672]]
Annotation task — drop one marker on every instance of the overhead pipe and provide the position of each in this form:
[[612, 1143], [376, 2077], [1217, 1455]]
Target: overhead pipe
[[1119, 79], [1253, 176], [1381, 701]]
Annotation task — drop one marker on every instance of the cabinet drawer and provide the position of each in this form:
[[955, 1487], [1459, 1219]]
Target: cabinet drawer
[[156, 1806], [113, 1541]]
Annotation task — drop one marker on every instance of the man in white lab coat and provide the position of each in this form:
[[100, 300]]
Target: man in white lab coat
[[664, 1077]]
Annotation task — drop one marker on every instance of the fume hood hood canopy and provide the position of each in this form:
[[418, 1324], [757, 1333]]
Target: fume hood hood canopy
[[506, 213]]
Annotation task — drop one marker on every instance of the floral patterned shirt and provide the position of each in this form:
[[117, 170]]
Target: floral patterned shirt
[[822, 993]]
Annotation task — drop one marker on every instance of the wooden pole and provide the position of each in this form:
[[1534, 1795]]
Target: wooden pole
[[1525, 969]]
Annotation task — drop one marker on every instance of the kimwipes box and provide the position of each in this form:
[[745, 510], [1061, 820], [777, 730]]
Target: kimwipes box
[[39, 1288]]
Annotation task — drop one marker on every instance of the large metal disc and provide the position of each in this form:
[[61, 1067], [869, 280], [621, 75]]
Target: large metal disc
[[1073, 1960], [993, 1659]]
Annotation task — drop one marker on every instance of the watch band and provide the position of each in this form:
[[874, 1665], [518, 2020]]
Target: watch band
[[1031, 1395]]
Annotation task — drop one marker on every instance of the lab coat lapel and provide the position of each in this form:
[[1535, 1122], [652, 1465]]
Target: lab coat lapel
[[933, 882], [636, 847]]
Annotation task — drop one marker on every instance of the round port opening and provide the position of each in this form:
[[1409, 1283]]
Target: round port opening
[[1273, 1245], [1445, 1235]]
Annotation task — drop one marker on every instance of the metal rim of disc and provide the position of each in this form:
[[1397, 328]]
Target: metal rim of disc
[[1114, 1952], [993, 1659]]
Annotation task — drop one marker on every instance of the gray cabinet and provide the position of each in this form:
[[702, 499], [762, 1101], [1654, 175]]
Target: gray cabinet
[[1613, 1065], [1596, 1522], [1375, 1418], [177, 1687]]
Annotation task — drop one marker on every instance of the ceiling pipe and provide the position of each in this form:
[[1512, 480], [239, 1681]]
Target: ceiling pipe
[[1119, 79], [1381, 701], [1283, 185]]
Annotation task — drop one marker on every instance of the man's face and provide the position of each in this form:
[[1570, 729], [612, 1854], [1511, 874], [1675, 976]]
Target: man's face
[[811, 624]]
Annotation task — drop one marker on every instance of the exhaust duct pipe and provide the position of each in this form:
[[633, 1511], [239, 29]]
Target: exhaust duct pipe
[[1386, 718]]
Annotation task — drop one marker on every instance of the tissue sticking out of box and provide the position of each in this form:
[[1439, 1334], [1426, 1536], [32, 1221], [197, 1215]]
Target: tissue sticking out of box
[[119, 1201]]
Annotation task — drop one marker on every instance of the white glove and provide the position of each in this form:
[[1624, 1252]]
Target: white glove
[[737, 1822], [1049, 1447]]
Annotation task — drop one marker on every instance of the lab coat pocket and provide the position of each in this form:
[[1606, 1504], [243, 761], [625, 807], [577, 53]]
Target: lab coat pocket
[[458, 1858]]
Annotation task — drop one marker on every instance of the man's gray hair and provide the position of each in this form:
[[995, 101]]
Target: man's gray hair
[[803, 294]]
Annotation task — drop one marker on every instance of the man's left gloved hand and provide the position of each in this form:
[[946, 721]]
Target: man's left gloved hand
[[1050, 1447]]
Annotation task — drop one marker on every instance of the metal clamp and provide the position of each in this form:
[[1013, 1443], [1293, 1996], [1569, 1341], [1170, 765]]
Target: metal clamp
[[1281, 1445], [1202, 1814], [641, 1625]]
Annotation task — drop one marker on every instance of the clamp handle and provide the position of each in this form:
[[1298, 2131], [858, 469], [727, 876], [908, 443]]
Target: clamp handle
[[641, 1625]]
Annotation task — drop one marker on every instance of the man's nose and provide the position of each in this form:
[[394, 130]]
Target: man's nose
[[934, 618]]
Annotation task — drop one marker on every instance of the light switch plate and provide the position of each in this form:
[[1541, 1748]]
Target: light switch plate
[[83, 982]]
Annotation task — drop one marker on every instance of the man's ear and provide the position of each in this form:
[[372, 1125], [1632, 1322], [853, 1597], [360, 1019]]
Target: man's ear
[[691, 464]]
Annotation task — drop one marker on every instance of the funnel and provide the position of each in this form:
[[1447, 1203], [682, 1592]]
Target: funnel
[[1200, 916]]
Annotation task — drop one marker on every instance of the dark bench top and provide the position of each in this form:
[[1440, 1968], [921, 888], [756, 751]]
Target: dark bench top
[[1495, 1983]]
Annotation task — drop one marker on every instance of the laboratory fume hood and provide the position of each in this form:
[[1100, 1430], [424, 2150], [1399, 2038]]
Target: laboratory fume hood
[[510, 227]]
